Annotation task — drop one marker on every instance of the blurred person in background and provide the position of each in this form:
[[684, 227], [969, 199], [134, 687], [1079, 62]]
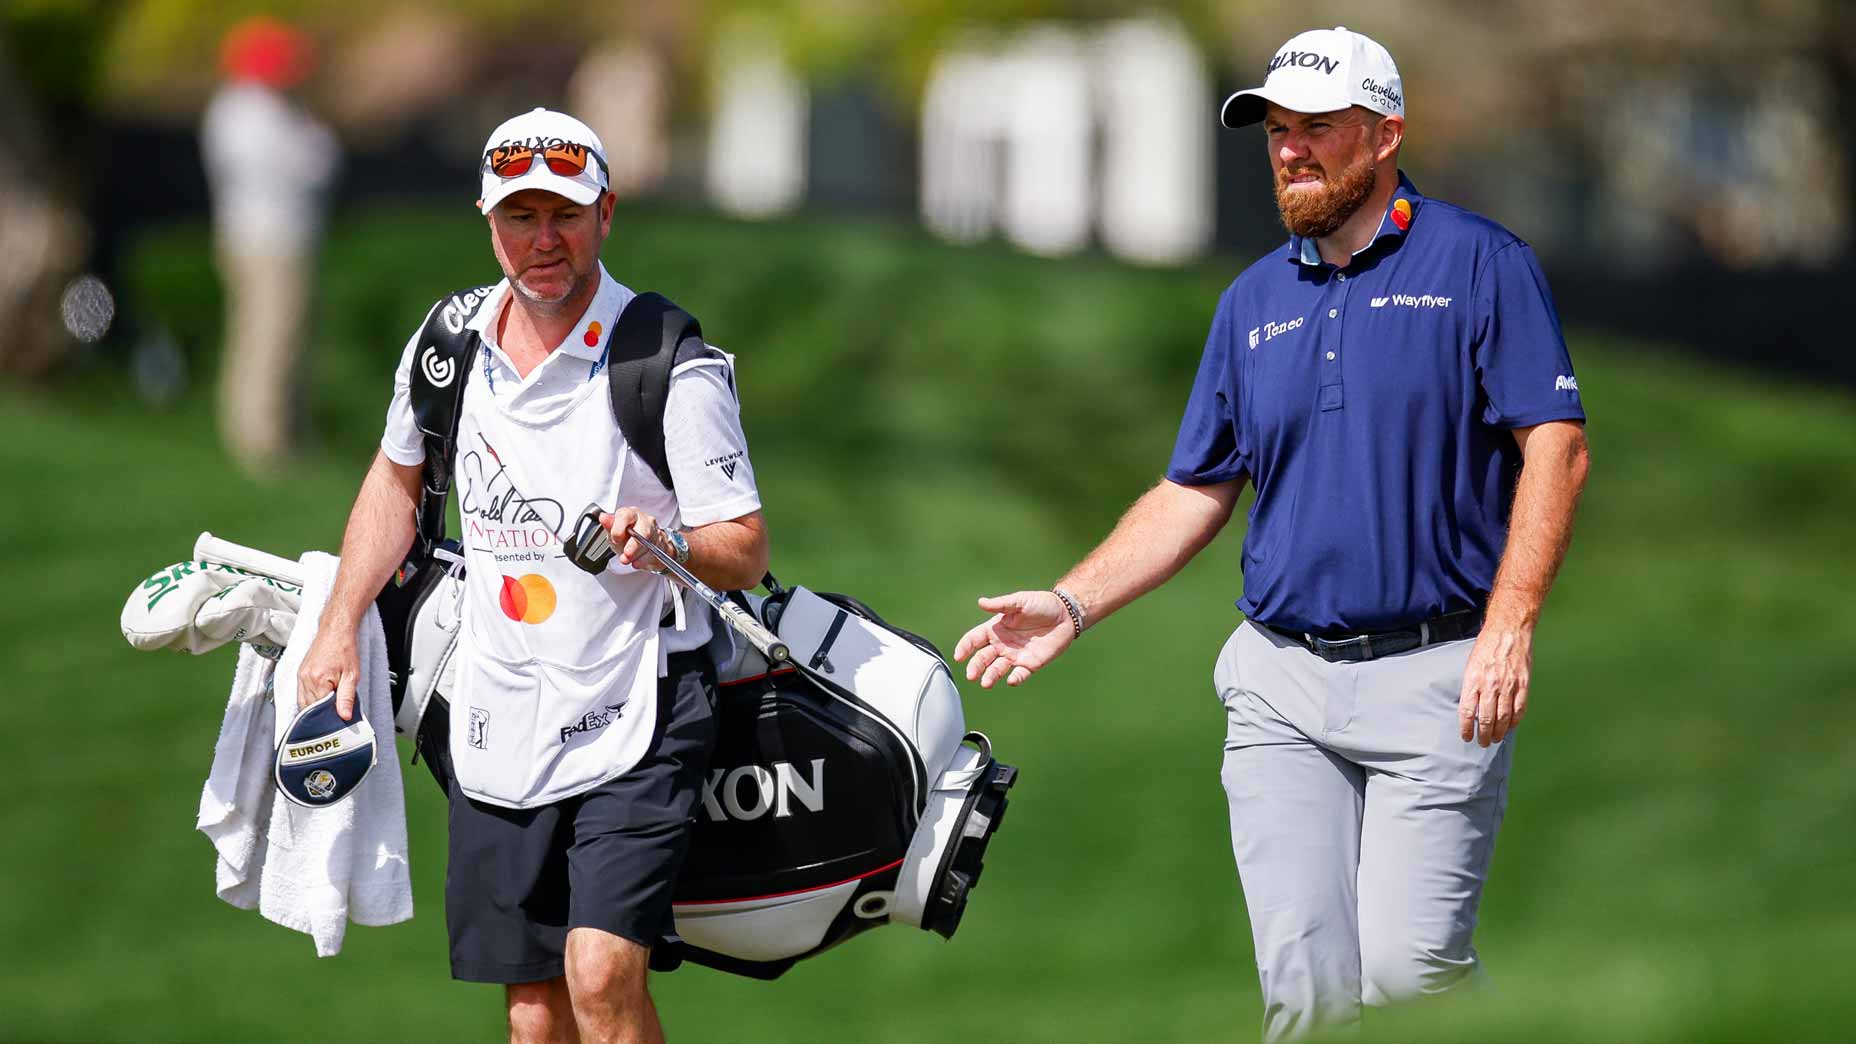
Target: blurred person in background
[[269, 164], [1394, 381]]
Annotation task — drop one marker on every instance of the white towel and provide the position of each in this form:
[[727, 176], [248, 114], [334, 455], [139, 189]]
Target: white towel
[[309, 869]]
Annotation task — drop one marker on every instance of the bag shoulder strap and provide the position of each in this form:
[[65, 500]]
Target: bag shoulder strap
[[650, 339], [447, 348]]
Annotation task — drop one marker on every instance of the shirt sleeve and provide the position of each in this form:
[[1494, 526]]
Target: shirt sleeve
[[1521, 360], [401, 442], [705, 447], [1207, 449]]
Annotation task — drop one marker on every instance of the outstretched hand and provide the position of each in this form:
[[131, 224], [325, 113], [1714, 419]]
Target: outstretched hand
[[1028, 629]]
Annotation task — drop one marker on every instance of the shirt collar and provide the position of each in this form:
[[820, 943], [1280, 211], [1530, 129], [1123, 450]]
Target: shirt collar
[[588, 339], [1393, 224]]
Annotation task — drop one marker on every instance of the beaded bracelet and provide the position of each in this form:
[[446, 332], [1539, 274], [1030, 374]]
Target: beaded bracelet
[[1070, 605]]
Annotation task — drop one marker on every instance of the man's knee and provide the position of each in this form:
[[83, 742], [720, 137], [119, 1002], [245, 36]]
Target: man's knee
[[540, 1012], [605, 971], [1400, 969]]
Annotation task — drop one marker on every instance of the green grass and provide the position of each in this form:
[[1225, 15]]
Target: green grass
[[930, 425]]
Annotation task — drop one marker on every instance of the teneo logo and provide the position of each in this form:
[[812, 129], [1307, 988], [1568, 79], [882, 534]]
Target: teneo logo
[[1409, 301], [437, 369], [746, 793], [1271, 331], [1565, 383], [1383, 92], [479, 727], [320, 784], [1305, 60], [312, 749], [593, 721]]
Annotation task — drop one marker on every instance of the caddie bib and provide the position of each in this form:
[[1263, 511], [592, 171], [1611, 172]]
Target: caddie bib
[[557, 676]]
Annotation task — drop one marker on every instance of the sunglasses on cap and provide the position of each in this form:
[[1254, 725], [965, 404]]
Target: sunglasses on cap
[[566, 158]]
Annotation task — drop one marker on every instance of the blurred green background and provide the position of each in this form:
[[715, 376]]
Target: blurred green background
[[931, 423]]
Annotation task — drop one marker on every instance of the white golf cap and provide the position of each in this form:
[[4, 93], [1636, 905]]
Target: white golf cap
[[542, 130], [1322, 70]]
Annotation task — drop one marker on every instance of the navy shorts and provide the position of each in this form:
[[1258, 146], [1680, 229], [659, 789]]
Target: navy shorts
[[607, 858]]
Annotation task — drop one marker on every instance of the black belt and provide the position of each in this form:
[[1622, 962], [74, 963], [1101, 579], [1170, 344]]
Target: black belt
[[1371, 645]]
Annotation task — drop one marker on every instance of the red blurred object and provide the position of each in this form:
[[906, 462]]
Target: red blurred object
[[269, 51]]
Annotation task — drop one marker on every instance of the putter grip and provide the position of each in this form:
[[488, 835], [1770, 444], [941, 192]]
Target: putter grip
[[766, 641]]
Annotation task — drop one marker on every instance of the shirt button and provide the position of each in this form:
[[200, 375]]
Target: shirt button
[[1342, 277], [1330, 357], [1333, 312]]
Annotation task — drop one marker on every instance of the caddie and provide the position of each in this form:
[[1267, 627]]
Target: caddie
[[1394, 383], [582, 717]]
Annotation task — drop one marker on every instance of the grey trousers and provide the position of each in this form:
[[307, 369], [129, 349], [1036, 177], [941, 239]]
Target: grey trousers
[[1361, 822]]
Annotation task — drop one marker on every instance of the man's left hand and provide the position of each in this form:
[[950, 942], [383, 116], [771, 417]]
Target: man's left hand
[[626, 527], [1495, 684]]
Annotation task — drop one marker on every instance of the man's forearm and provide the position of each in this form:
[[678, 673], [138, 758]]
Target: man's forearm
[[1154, 540], [731, 555], [1546, 499], [380, 532]]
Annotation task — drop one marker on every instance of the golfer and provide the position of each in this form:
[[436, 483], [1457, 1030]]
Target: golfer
[[1394, 383], [582, 721]]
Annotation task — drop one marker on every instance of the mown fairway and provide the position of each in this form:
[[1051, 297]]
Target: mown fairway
[[930, 425]]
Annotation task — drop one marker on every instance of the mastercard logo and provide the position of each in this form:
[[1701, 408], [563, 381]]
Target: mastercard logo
[[592, 334], [529, 599], [1401, 213]]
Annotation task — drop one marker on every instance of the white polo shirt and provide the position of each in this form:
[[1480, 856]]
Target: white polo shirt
[[703, 441]]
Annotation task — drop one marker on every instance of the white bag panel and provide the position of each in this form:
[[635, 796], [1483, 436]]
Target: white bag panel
[[937, 833], [769, 929], [431, 662], [905, 684]]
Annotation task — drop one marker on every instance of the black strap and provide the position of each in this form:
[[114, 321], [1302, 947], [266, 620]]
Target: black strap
[[441, 364], [650, 339]]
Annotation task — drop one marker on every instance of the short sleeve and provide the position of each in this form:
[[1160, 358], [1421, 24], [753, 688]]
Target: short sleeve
[[1207, 449], [401, 442], [1521, 360], [705, 447]]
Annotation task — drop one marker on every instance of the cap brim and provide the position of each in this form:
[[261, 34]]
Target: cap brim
[[1247, 107], [546, 180]]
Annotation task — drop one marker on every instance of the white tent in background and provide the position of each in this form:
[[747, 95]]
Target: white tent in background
[[1048, 195], [622, 91], [962, 139], [757, 131], [1157, 118]]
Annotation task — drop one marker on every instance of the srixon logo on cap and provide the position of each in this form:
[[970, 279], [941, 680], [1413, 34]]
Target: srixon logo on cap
[[1305, 60]]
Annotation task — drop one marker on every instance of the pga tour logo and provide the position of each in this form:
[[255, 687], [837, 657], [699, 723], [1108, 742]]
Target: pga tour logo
[[749, 792], [1269, 331]]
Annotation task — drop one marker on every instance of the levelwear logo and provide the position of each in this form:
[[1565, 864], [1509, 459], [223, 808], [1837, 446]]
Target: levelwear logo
[[1409, 301], [726, 462], [1565, 383], [772, 788], [1270, 331], [1305, 60], [593, 721]]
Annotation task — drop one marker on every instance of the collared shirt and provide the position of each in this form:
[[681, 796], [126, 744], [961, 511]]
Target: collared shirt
[[1372, 408], [703, 440]]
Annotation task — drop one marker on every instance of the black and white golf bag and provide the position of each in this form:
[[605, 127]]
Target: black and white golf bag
[[844, 791]]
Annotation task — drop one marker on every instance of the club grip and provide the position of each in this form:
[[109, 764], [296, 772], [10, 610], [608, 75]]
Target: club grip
[[766, 641]]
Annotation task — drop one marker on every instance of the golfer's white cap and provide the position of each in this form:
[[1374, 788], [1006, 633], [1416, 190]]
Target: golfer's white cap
[[541, 129], [1322, 70]]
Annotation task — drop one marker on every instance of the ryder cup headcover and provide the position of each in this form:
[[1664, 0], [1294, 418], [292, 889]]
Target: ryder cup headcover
[[323, 758]]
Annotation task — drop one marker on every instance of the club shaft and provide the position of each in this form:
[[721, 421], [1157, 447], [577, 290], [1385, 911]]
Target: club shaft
[[757, 634]]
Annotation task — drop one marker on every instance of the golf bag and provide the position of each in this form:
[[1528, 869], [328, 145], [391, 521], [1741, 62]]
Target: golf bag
[[844, 791]]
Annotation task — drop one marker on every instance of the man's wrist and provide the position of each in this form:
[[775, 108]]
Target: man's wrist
[[1073, 608], [679, 546]]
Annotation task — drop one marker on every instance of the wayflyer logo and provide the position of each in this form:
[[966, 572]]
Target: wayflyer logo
[[529, 599]]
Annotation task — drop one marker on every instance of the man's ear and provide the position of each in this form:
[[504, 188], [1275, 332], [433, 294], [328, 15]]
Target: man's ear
[[1391, 136]]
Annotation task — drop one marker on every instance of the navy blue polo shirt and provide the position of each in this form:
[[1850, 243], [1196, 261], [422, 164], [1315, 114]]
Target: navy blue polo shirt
[[1371, 406]]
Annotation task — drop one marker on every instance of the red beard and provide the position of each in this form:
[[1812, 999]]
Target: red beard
[[1321, 213]]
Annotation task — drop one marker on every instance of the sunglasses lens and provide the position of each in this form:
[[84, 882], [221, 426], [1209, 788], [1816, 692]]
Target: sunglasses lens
[[510, 163], [567, 160]]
